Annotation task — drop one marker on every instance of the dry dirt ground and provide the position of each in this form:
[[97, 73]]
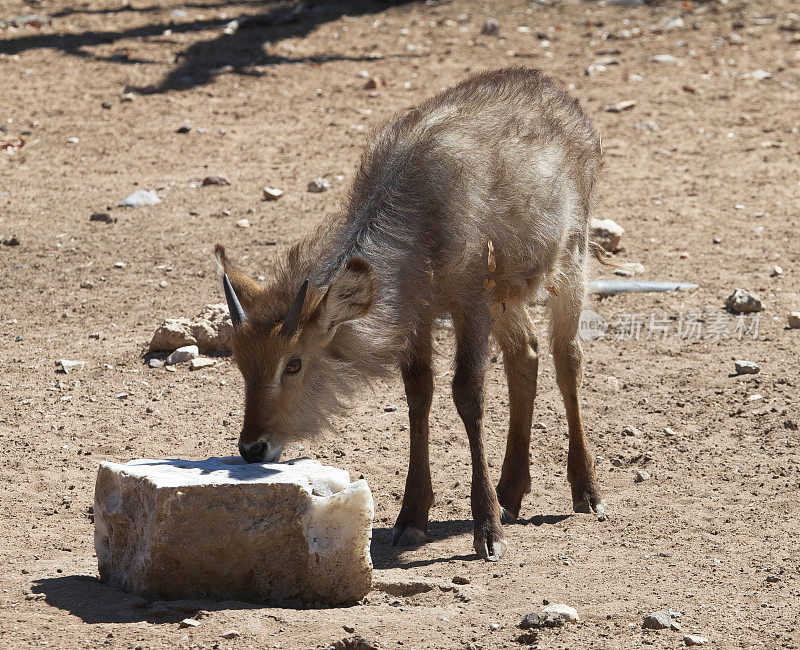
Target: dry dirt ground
[[709, 195]]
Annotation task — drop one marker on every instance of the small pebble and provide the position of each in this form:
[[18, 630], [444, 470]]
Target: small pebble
[[185, 353], [68, 366], [694, 639], [272, 193], [794, 320], [243, 223], [216, 180], [742, 301], [660, 621], [189, 622], [491, 27], [318, 185], [103, 217], [201, 362], [140, 198], [155, 363], [621, 106], [231, 634], [641, 476], [746, 367]]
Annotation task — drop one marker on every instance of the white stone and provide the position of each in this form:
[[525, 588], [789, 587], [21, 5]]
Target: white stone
[[139, 198], [641, 476], [567, 613], [202, 362], [186, 353], [665, 58], [746, 367], [607, 233], [69, 366], [794, 320], [231, 634], [694, 639], [320, 184], [222, 528], [272, 193]]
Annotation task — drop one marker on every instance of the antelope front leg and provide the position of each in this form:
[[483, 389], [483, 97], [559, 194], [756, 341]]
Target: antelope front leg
[[412, 522], [472, 347]]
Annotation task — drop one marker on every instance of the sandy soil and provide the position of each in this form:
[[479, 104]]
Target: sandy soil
[[712, 534]]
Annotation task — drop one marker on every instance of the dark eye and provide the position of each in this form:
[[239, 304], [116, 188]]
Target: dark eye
[[293, 366]]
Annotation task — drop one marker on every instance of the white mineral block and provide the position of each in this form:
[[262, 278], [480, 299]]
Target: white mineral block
[[222, 528]]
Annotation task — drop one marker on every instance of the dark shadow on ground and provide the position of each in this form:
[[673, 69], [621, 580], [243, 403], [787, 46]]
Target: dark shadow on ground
[[94, 602], [235, 49], [71, 11], [386, 556]]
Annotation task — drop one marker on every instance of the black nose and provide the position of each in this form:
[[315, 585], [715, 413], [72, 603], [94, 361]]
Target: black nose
[[253, 453]]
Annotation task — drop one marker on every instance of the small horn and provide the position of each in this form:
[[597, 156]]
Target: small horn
[[234, 306], [292, 321]]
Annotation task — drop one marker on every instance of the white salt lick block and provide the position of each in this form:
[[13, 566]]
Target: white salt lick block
[[222, 528]]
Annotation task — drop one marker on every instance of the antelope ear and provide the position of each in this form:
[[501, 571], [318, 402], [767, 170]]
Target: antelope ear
[[349, 297], [245, 290]]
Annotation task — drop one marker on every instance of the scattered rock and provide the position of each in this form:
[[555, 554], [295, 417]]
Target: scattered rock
[[760, 75], [211, 331], [742, 301], [120, 265], [263, 534], [373, 83], [201, 362], [529, 637], [632, 431], [490, 28], [776, 271], [185, 353], [391, 408], [621, 106], [243, 223], [649, 125], [460, 580], [155, 363], [565, 612], [272, 193], [660, 621], [68, 366], [189, 622], [320, 184], [607, 233], [231, 634], [671, 23], [353, 643], [534, 621], [746, 367], [216, 180], [694, 639], [10, 241], [104, 217], [794, 320], [641, 476], [185, 128], [665, 58], [140, 198], [87, 284]]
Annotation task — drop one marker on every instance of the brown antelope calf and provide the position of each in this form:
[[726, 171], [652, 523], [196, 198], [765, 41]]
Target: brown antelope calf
[[464, 205]]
